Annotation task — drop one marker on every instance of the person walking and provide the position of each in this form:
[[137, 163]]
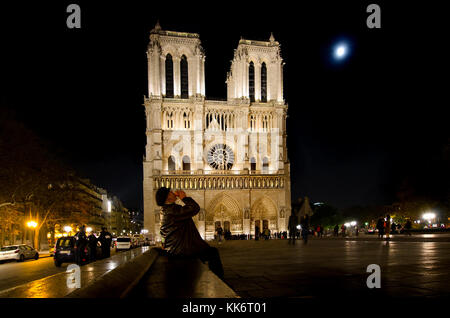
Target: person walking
[[387, 227], [321, 230], [305, 228], [105, 239], [292, 227], [219, 234], [181, 237], [81, 245], [343, 228], [380, 227], [336, 230], [92, 247], [256, 233], [407, 227]]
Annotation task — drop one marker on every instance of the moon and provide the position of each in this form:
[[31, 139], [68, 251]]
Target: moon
[[340, 51]]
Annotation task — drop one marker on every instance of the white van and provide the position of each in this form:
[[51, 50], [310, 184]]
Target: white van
[[123, 243]]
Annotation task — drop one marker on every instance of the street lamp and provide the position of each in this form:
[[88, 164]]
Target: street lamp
[[429, 216], [32, 224], [89, 229], [67, 229]]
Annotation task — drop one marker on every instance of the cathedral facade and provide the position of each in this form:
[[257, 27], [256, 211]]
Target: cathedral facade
[[229, 156]]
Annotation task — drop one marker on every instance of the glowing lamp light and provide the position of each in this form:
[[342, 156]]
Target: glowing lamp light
[[67, 229], [353, 223], [347, 224], [32, 224], [299, 227], [429, 216], [89, 229]]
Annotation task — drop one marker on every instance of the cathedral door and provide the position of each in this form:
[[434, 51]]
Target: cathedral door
[[217, 224], [265, 224], [226, 226]]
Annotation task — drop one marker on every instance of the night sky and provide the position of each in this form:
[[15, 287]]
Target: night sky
[[355, 129]]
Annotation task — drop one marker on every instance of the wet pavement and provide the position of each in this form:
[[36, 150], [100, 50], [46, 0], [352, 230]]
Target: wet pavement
[[56, 285], [337, 267], [14, 273]]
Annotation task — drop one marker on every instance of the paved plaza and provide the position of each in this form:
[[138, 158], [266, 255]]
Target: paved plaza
[[337, 267]]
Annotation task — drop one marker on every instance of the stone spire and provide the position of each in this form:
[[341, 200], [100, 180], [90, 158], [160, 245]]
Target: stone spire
[[157, 27], [272, 38]]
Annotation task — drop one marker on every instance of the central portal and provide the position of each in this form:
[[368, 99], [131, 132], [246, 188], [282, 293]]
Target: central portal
[[224, 211]]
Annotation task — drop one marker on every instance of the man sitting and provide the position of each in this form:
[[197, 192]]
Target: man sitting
[[179, 233]]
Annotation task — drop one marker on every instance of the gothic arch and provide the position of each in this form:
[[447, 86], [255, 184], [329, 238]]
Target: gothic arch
[[224, 209], [184, 76], [265, 209], [226, 200], [169, 71]]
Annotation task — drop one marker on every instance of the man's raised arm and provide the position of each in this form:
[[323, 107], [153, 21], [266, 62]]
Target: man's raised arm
[[190, 209]]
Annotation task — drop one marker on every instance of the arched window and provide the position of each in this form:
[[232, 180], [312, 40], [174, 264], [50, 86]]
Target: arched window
[[263, 82], [169, 117], [265, 166], [251, 82], [187, 121], [169, 76], [186, 163], [184, 77], [252, 164], [171, 163]]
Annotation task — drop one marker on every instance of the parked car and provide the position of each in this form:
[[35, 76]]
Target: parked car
[[123, 243], [64, 251], [18, 252]]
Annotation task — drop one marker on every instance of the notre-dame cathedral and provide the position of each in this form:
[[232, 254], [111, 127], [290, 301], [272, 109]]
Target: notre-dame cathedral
[[229, 156]]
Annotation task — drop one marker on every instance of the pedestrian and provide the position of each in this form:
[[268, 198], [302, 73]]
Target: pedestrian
[[81, 246], [105, 239], [219, 234], [407, 227], [256, 233], [343, 228], [387, 227], [356, 230], [182, 238], [92, 247], [292, 226], [321, 230], [380, 227], [336, 230], [305, 228]]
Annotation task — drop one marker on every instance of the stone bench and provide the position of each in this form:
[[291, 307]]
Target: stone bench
[[155, 275], [171, 277]]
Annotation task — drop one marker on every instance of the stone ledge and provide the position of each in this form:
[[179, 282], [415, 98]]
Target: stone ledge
[[120, 281], [181, 278]]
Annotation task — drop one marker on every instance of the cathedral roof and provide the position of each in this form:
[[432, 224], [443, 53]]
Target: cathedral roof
[[158, 30], [269, 43]]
